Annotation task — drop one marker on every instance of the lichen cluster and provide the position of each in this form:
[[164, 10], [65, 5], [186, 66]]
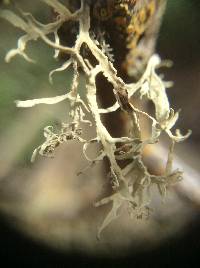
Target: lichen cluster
[[133, 181]]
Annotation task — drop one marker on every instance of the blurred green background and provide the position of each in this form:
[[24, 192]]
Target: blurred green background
[[179, 41]]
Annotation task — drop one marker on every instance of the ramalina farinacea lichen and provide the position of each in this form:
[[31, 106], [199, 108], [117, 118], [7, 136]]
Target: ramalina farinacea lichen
[[131, 182]]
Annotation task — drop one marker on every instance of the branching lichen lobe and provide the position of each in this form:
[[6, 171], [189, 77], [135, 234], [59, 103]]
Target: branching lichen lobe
[[131, 182]]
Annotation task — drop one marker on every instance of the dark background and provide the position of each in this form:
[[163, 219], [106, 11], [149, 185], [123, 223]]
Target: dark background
[[182, 251], [179, 41]]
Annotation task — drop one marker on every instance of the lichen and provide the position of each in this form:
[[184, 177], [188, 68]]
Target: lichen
[[131, 182]]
